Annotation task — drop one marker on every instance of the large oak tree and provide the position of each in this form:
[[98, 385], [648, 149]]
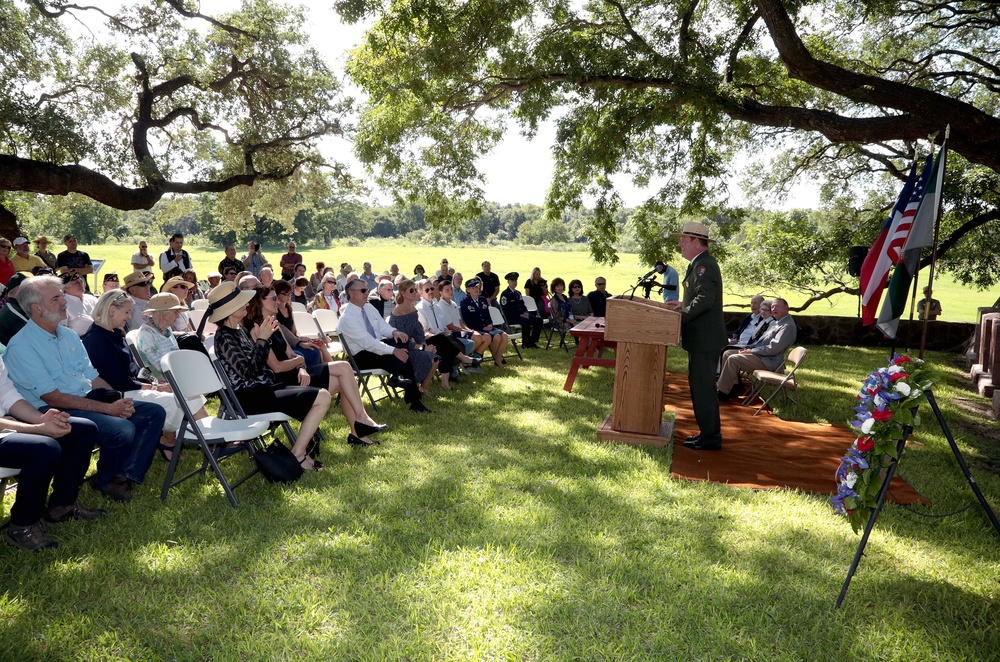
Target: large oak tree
[[156, 98], [680, 93]]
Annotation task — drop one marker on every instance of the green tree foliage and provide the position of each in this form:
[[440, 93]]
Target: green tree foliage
[[679, 95], [157, 98]]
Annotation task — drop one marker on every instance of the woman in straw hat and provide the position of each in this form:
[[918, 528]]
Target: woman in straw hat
[[105, 343], [244, 358], [181, 289], [291, 369]]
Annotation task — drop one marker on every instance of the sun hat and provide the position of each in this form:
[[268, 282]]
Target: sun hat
[[136, 278], [41, 239], [174, 282], [226, 299], [696, 230], [163, 302]]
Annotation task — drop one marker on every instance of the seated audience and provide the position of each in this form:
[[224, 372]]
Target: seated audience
[[364, 329], [248, 282], [476, 315], [536, 287], [49, 448], [579, 304], [300, 274], [49, 365], [266, 276], [317, 276], [748, 325], [314, 353], [383, 298], [599, 297], [191, 276], [137, 286], [290, 369], [6, 266], [48, 257], [181, 289], [111, 357], [560, 310], [79, 305], [766, 353], [456, 280], [515, 312], [450, 315], [12, 316], [405, 318], [214, 278], [110, 281], [367, 276], [244, 358], [23, 260], [300, 292], [230, 262], [327, 296], [438, 338], [418, 273]]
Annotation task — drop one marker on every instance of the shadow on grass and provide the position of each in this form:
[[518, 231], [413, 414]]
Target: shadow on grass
[[496, 527]]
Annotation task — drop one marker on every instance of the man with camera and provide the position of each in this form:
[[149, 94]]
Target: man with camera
[[175, 260], [254, 260]]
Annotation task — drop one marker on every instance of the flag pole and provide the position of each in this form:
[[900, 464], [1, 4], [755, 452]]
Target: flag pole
[[934, 246]]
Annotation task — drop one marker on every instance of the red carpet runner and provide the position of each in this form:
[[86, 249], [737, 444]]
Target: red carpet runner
[[763, 451]]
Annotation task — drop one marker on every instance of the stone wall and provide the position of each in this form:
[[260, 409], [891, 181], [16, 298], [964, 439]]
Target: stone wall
[[832, 330]]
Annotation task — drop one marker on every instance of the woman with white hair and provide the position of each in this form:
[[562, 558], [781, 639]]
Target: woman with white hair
[[327, 296], [105, 343]]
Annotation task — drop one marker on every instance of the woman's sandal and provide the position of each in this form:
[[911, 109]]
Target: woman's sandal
[[164, 449], [314, 466]]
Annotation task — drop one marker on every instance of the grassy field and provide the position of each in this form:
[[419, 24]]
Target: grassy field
[[498, 528], [958, 302]]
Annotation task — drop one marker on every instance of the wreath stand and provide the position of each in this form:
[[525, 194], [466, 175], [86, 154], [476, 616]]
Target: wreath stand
[[888, 478]]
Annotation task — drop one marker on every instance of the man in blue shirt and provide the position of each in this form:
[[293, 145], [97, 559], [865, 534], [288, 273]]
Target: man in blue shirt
[[671, 282], [51, 369]]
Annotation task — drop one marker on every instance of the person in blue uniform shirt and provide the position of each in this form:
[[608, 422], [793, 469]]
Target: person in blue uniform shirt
[[476, 315], [671, 291], [515, 312]]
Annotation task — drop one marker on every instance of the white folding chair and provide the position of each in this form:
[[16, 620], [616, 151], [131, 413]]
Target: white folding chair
[[299, 307], [363, 376], [195, 316], [305, 325], [783, 383], [191, 374], [132, 340], [199, 304], [496, 317], [328, 321]]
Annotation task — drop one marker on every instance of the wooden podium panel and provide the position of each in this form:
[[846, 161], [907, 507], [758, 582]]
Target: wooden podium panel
[[638, 388], [643, 330]]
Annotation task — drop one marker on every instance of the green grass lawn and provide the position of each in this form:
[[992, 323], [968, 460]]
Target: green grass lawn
[[498, 528], [959, 303]]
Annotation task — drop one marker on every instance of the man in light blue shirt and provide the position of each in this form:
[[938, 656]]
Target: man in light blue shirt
[[51, 369], [671, 282]]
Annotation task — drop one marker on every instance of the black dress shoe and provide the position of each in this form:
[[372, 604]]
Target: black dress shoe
[[692, 441], [354, 440], [364, 429], [400, 382], [419, 408], [704, 445]]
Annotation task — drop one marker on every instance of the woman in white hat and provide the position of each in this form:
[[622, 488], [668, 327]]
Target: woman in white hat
[[244, 358], [105, 343], [181, 289]]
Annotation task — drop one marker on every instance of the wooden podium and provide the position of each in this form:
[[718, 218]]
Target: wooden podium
[[643, 330]]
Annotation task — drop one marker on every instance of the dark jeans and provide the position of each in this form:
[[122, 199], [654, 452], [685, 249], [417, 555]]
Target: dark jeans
[[531, 326], [63, 462], [127, 444]]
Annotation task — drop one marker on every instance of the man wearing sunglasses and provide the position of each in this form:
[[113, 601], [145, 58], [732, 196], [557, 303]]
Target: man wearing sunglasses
[[364, 331]]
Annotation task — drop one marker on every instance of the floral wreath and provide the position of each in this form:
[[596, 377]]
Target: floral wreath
[[886, 403]]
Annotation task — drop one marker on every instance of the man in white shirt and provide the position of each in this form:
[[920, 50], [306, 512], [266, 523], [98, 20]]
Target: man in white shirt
[[79, 305], [363, 330], [142, 260], [451, 317], [175, 260]]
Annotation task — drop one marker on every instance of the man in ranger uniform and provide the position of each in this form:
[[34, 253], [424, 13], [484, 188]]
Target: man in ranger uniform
[[703, 332]]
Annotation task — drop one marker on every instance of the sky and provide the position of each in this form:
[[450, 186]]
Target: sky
[[518, 170]]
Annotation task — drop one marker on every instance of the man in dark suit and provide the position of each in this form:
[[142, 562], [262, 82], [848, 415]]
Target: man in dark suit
[[703, 332]]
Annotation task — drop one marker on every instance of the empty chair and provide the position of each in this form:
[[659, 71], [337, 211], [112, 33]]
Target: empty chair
[[782, 383], [305, 325], [199, 304], [190, 374]]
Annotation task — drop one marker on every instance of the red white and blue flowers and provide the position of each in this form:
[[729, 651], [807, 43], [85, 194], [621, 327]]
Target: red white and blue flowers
[[886, 403]]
